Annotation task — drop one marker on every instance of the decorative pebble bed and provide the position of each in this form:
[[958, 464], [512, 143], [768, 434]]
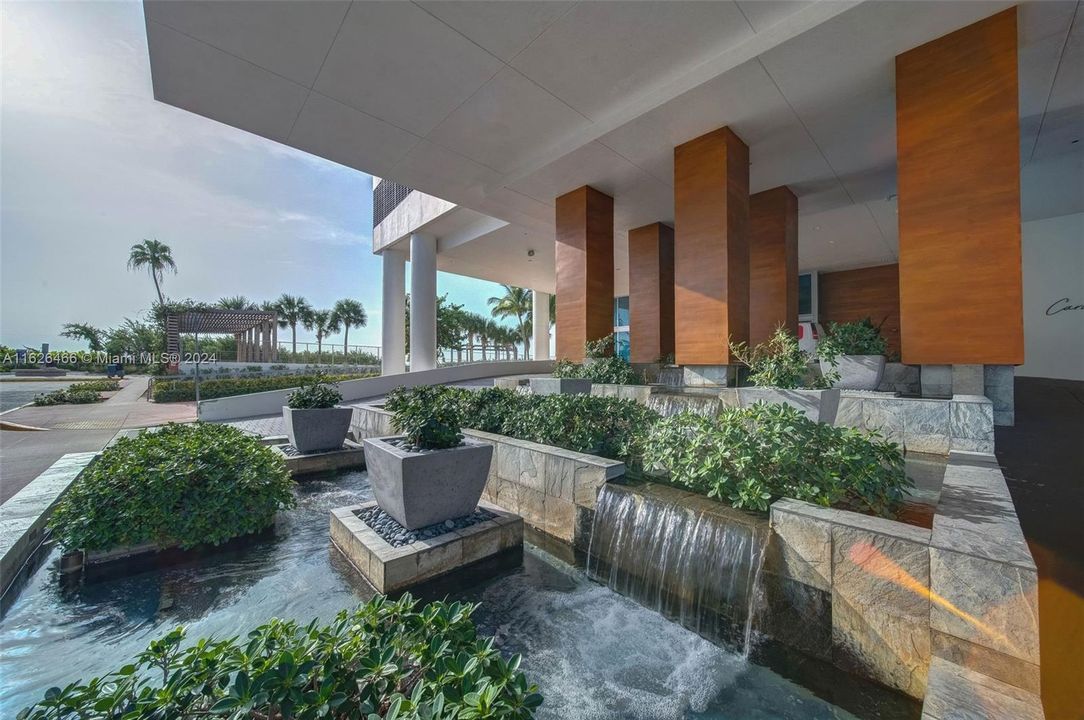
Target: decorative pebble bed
[[396, 535], [290, 451]]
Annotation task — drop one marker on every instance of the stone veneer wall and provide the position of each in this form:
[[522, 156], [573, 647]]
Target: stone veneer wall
[[965, 423], [553, 489], [923, 611]]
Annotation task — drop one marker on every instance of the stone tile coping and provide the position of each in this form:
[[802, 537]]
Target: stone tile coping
[[350, 455], [23, 516], [954, 692], [612, 468], [390, 569], [848, 518], [976, 516]]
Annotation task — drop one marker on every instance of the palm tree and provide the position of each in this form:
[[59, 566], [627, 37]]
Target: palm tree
[[323, 323], [235, 302], [84, 331], [157, 258], [292, 309], [349, 313], [516, 303]]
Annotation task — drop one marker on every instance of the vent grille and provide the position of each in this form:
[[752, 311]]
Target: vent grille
[[386, 197]]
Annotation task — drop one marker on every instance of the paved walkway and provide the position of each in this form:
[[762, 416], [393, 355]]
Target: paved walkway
[[1043, 459], [76, 428]]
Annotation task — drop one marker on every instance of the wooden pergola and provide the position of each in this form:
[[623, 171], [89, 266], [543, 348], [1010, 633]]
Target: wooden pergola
[[256, 331]]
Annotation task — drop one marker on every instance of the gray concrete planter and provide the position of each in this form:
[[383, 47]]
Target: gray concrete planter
[[560, 386], [317, 430], [856, 372], [428, 487]]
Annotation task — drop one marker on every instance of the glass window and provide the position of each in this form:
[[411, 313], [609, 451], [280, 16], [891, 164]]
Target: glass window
[[621, 345], [805, 295], [621, 311]]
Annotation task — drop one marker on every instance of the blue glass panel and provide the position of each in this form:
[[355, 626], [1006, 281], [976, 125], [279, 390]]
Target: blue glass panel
[[621, 345]]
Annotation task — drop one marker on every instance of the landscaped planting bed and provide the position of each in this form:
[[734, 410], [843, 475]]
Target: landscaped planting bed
[[80, 393], [747, 457], [179, 486], [182, 390], [383, 659]]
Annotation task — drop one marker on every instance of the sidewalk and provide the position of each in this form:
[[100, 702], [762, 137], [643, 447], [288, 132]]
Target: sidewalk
[[76, 428]]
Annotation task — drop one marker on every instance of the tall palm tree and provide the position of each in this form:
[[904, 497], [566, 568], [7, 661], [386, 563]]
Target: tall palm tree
[[84, 331], [349, 313], [323, 323], [235, 302], [156, 257], [516, 302], [292, 309]]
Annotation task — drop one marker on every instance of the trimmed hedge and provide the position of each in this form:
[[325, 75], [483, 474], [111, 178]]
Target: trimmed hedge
[[390, 660], [183, 390], [602, 426], [183, 485]]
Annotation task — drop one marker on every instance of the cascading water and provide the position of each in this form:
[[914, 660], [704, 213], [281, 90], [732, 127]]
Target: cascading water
[[671, 376], [676, 553], [672, 403]]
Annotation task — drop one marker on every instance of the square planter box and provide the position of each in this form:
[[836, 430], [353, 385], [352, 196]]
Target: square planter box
[[317, 430], [560, 386], [856, 372], [428, 487]]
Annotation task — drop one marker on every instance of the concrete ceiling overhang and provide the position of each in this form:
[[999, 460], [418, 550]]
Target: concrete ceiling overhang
[[500, 107]]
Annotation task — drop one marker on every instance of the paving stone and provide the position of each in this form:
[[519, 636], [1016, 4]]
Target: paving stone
[[851, 413], [972, 418], [988, 603], [884, 416], [880, 575], [524, 466], [890, 649], [958, 693], [926, 426], [1006, 668], [800, 548]]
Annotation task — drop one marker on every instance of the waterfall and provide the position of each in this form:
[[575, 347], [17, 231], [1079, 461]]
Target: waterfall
[[672, 403], [693, 560], [671, 376]]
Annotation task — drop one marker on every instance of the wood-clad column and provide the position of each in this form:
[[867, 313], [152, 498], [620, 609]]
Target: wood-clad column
[[585, 270], [651, 292], [773, 263], [711, 247], [958, 147]]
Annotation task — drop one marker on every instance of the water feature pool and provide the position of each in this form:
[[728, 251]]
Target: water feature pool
[[594, 653], [14, 393]]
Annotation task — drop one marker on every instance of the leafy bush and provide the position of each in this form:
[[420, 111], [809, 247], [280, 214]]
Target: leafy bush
[[601, 348], [182, 485], [315, 393], [853, 338], [165, 390], [750, 457], [603, 426], [777, 362], [73, 395], [384, 659], [428, 415], [99, 385], [610, 370]]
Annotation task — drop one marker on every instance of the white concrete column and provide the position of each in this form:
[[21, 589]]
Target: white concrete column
[[393, 314], [423, 302], [540, 318]]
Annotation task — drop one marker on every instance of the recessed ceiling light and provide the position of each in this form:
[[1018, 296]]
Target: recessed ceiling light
[[816, 227]]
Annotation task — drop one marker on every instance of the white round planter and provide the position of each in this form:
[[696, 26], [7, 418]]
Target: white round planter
[[856, 372]]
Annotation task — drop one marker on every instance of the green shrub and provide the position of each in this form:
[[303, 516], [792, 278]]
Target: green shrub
[[384, 659], [165, 390], [99, 385], [182, 485], [609, 370], [603, 426], [777, 362], [603, 347], [74, 395], [315, 393], [853, 338], [428, 415], [750, 457]]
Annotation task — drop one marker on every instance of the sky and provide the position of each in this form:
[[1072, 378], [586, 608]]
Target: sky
[[91, 164]]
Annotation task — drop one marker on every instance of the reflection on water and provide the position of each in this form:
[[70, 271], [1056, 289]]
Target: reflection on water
[[595, 654]]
